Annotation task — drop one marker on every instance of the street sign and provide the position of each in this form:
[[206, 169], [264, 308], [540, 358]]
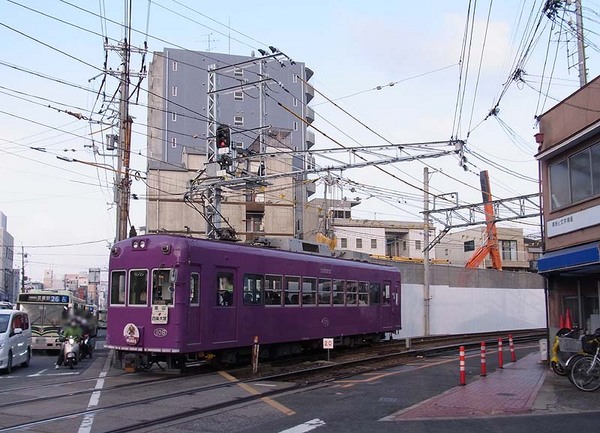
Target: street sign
[[327, 343]]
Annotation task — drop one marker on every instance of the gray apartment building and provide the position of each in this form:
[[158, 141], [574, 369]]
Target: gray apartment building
[[6, 261], [251, 92]]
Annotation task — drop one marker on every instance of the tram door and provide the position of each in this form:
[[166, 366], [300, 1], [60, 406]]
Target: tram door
[[225, 310], [386, 305]]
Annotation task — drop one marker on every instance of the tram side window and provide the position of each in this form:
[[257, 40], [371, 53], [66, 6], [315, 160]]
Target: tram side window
[[375, 289], [338, 292], [273, 289], [351, 292], [253, 289], [363, 293], [162, 287], [117, 288], [292, 290], [138, 287], [386, 292], [194, 288], [324, 289], [309, 290], [224, 289]]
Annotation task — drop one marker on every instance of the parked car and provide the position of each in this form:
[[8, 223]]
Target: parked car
[[15, 339], [5, 305]]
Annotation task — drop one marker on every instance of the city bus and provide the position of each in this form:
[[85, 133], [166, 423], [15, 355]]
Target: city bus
[[47, 311]]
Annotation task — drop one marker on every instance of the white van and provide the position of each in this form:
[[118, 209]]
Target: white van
[[15, 339]]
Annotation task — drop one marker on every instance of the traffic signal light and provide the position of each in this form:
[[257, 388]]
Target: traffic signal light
[[223, 139]]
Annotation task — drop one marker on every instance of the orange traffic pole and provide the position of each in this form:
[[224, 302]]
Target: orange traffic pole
[[483, 367]]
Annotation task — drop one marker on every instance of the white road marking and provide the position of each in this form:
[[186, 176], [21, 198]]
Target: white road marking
[[88, 419], [307, 426], [264, 384], [38, 373]]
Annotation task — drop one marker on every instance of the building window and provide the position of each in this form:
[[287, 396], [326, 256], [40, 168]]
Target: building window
[[254, 222], [575, 178], [173, 142], [174, 117], [418, 245], [238, 120], [359, 243], [295, 102], [238, 95], [174, 66], [509, 250], [469, 246], [295, 127], [295, 78], [374, 243], [403, 245], [238, 72], [343, 242], [173, 90]]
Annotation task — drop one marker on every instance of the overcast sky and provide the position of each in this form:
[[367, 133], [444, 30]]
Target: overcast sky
[[353, 47]]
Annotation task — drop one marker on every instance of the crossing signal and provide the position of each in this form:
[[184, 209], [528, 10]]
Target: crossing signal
[[223, 139]]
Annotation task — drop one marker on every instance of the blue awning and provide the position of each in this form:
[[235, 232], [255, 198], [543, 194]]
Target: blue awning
[[570, 258]]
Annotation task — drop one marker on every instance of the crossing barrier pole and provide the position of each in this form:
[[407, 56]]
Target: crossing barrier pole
[[511, 344], [483, 367], [463, 378], [500, 357]]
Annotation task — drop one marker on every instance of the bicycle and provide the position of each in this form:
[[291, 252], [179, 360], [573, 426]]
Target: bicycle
[[585, 372], [565, 350]]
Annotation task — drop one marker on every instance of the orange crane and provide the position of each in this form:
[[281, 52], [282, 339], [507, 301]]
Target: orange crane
[[491, 244]]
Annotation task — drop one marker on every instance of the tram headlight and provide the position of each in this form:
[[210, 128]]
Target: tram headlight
[[139, 245]]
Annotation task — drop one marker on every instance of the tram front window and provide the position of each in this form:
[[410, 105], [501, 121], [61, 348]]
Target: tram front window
[[162, 287]]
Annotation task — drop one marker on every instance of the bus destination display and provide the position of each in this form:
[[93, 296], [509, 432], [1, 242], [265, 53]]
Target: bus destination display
[[59, 299]]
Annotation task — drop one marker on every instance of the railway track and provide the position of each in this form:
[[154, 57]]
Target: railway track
[[314, 375]]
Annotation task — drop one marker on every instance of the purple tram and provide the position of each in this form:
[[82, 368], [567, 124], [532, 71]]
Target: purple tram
[[183, 300]]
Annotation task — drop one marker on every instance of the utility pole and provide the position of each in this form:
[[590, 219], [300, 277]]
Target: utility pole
[[580, 44], [124, 184], [426, 274], [23, 256], [122, 175]]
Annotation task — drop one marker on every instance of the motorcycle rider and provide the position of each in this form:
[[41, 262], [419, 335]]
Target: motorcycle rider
[[72, 329]]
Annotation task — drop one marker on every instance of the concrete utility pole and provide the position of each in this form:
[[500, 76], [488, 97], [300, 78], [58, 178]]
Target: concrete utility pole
[[426, 274], [23, 256], [123, 186], [580, 44], [122, 173]]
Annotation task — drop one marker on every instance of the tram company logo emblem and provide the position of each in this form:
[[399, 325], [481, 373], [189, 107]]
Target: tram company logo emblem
[[131, 334]]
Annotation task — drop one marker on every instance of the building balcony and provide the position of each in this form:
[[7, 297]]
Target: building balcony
[[308, 73], [310, 115], [311, 188], [309, 93], [310, 139]]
